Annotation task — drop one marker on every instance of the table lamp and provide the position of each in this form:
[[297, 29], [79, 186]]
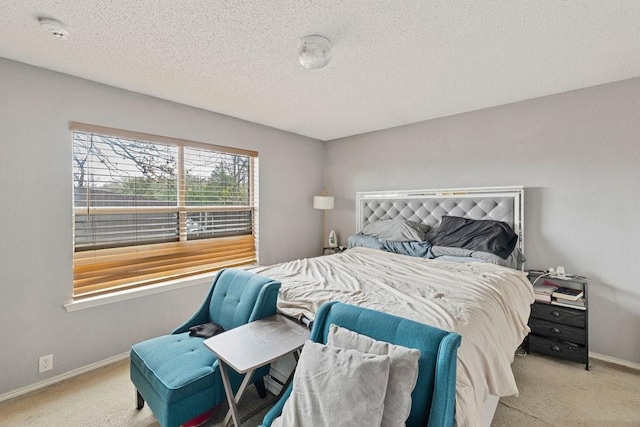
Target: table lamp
[[325, 203]]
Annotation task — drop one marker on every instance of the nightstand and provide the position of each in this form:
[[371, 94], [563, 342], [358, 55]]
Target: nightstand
[[558, 328], [334, 250]]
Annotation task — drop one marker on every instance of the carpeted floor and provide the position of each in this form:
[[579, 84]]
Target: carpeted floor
[[552, 392], [561, 393], [103, 397]]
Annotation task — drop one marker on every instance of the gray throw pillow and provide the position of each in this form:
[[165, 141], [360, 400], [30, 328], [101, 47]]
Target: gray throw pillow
[[437, 251], [401, 230], [403, 372], [336, 387], [514, 260]]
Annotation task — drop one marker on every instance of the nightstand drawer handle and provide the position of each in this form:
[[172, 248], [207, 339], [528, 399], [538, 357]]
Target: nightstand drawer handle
[[555, 348], [555, 313], [555, 330]]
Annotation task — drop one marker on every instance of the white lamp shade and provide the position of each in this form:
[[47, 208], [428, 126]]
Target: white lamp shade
[[323, 202]]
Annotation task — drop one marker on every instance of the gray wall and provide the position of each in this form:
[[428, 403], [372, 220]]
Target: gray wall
[[577, 154], [35, 240]]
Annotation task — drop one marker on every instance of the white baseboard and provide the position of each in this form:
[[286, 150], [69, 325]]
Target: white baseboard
[[62, 377], [614, 360]]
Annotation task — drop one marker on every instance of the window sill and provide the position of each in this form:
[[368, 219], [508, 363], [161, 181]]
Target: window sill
[[84, 303]]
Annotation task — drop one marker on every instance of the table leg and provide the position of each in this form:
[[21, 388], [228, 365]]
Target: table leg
[[285, 386], [233, 400], [233, 410]]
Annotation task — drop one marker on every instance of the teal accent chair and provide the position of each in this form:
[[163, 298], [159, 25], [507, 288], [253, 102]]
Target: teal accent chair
[[176, 374], [434, 397]]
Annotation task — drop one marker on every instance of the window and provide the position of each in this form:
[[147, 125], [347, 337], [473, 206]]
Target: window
[[148, 209]]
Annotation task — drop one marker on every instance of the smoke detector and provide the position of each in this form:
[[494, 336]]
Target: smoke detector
[[55, 27], [314, 52]]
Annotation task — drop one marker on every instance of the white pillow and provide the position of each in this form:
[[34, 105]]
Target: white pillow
[[403, 372], [336, 387]]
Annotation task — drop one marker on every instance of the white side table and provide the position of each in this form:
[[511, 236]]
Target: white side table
[[248, 347]]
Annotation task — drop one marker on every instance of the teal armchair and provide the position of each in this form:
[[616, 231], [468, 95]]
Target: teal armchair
[[433, 398], [176, 374]]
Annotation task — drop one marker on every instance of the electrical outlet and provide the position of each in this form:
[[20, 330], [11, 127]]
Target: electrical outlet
[[45, 363]]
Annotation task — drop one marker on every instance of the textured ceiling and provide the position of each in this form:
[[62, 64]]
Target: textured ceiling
[[394, 62]]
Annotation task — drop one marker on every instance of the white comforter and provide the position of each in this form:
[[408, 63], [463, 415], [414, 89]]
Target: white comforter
[[487, 304]]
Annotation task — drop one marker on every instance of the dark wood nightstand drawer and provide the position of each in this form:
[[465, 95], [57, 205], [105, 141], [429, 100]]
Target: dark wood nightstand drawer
[[564, 350], [557, 314], [557, 331]]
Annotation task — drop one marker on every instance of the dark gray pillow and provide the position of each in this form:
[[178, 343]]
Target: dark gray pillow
[[495, 237]]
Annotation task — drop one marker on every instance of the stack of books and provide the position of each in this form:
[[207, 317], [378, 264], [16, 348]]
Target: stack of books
[[568, 297], [544, 291]]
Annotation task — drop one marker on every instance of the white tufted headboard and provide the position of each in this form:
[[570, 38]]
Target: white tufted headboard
[[428, 206]]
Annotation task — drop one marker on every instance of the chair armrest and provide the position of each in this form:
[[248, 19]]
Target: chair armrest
[[202, 315], [265, 306], [443, 404], [276, 410], [200, 318]]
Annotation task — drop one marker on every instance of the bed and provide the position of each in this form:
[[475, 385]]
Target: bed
[[488, 304]]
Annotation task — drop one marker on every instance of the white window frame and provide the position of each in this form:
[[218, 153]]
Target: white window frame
[[154, 285]]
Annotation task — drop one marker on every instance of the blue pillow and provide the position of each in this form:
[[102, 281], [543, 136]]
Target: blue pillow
[[356, 240], [417, 249]]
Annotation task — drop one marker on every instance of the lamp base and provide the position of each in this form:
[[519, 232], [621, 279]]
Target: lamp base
[[333, 239]]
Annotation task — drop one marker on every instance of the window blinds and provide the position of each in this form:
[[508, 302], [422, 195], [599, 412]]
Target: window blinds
[[149, 208]]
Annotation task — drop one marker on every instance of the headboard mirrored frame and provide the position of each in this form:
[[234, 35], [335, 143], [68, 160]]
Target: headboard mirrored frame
[[428, 206]]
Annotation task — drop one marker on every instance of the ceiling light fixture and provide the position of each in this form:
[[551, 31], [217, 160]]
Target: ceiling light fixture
[[314, 52], [55, 27]]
